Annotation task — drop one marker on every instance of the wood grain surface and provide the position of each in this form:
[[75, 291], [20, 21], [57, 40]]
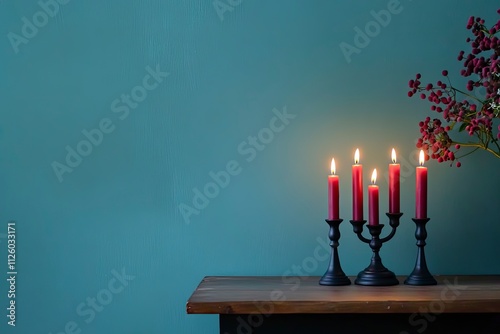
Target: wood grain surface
[[288, 295]]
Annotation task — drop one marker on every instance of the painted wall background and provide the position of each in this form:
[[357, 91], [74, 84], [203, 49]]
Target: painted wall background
[[105, 248]]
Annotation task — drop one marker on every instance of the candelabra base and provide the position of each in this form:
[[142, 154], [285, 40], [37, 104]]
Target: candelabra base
[[376, 274], [376, 278], [420, 279], [333, 279]]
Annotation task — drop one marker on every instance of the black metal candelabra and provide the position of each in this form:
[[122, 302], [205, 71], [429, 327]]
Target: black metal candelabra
[[376, 273], [420, 274], [334, 274]]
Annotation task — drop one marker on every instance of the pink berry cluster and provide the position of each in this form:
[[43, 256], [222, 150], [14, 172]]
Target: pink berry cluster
[[474, 114]]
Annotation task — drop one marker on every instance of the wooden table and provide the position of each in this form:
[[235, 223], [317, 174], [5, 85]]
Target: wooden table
[[458, 304]]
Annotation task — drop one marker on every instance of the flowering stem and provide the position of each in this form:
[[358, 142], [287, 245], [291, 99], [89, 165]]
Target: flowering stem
[[475, 111]]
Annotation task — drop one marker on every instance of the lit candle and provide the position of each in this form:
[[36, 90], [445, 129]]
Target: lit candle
[[421, 189], [373, 200], [357, 188], [333, 194], [394, 185]]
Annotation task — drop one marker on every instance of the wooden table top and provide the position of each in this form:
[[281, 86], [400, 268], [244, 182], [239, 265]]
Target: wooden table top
[[285, 295]]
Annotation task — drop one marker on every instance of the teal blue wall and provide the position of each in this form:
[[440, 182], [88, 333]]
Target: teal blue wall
[[119, 207]]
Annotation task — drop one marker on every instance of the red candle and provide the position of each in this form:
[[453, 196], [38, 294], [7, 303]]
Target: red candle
[[357, 188], [333, 194], [394, 185], [421, 189], [373, 201]]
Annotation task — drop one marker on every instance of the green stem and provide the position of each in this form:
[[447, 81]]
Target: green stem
[[496, 154], [468, 153], [496, 144], [494, 141], [466, 94]]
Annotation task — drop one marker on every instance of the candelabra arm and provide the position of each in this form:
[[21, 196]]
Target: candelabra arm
[[389, 237], [362, 238], [357, 227], [394, 222]]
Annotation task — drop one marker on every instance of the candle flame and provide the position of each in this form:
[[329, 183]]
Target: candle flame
[[356, 156], [393, 156], [421, 158], [333, 166], [374, 176]]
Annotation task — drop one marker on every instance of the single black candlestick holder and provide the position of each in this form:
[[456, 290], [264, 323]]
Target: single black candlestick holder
[[334, 274], [420, 274], [376, 274]]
